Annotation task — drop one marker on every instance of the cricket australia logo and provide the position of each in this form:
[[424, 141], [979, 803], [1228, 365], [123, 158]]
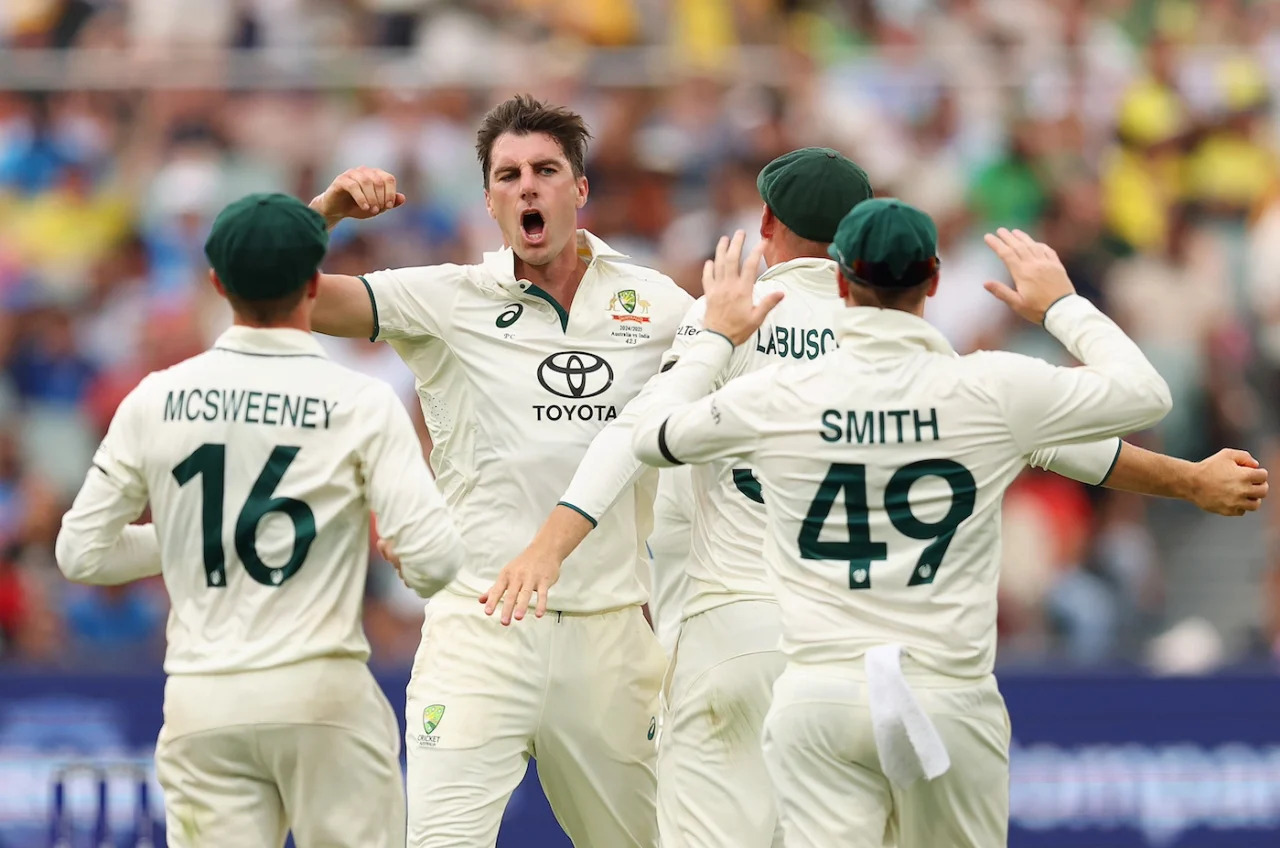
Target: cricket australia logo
[[625, 306], [431, 718]]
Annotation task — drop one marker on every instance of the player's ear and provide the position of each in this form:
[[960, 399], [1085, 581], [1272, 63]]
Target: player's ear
[[768, 223], [217, 284], [488, 204], [583, 191], [313, 286], [842, 285], [933, 285]]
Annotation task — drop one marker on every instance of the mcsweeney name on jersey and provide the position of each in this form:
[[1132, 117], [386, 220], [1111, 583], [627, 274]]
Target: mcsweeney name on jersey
[[795, 342], [251, 407], [868, 427]]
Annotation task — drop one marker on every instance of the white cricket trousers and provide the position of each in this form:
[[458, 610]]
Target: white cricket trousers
[[311, 747], [713, 788], [577, 692], [822, 758]]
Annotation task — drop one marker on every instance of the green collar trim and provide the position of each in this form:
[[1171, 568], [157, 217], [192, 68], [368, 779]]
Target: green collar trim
[[564, 316]]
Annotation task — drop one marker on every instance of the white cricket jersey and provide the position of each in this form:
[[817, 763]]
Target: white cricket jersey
[[883, 467], [669, 552], [513, 390], [726, 562], [261, 460]]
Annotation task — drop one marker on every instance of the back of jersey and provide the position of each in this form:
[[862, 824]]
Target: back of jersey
[[252, 455], [729, 528]]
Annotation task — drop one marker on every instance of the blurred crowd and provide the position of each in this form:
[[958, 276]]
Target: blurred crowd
[[1138, 137]]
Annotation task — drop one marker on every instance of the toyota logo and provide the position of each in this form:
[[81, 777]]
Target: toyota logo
[[575, 374]]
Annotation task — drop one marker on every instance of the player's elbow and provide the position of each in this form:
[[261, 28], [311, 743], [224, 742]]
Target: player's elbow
[[433, 569], [1151, 399], [649, 446], [78, 559]]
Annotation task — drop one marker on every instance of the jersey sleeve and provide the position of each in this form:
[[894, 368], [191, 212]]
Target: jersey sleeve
[[1090, 462], [411, 512], [411, 302], [1116, 391], [95, 543], [609, 465], [726, 423]]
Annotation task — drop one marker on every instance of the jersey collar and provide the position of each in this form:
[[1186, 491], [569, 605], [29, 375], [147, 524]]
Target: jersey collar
[[874, 333], [500, 264], [268, 341], [808, 272]]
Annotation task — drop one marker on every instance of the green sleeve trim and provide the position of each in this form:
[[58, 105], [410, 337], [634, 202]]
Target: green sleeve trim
[[721, 335], [555, 304], [373, 302], [1050, 308], [1114, 460], [568, 505]]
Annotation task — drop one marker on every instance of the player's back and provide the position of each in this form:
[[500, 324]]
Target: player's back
[[884, 466], [253, 457], [728, 531]]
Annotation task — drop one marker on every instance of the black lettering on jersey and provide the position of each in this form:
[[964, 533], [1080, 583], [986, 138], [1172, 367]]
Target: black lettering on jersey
[[173, 405], [868, 427], [252, 406], [308, 410], [795, 342], [271, 409], [571, 412]]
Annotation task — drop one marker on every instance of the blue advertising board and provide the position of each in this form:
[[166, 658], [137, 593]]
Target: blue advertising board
[[1097, 761]]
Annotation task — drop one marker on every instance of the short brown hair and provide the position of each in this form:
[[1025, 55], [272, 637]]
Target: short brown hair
[[267, 311], [523, 115]]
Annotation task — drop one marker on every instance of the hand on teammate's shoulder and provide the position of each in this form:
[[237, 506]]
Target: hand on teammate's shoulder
[[729, 285], [358, 193], [1039, 278]]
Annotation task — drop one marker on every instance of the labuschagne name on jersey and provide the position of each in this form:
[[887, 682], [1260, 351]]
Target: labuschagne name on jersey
[[878, 427], [795, 342], [630, 314], [273, 409], [575, 376]]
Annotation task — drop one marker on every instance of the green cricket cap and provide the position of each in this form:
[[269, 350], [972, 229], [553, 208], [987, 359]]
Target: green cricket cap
[[811, 189], [885, 243], [266, 245]]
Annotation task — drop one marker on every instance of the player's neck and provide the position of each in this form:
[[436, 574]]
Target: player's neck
[[785, 253], [559, 277], [292, 322]]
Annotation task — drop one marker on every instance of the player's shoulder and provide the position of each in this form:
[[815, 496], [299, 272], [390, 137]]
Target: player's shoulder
[[425, 275], [624, 270]]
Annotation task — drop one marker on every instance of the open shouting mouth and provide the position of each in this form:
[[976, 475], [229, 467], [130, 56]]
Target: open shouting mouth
[[533, 226]]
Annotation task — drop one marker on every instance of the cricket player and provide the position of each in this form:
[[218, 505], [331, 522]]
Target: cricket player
[[520, 360], [883, 467], [261, 460], [713, 788]]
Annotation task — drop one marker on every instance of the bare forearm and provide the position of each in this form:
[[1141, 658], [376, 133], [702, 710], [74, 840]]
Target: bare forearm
[[1148, 473], [561, 533]]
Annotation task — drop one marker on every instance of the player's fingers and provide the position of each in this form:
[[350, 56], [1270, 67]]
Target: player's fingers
[[722, 246], [1256, 476], [509, 603], [388, 190], [765, 306], [541, 609], [522, 602], [493, 597], [733, 256], [998, 246], [1003, 293], [353, 187], [1010, 241], [1029, 246], [400, 200], [1239, 457], [708, 276]]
